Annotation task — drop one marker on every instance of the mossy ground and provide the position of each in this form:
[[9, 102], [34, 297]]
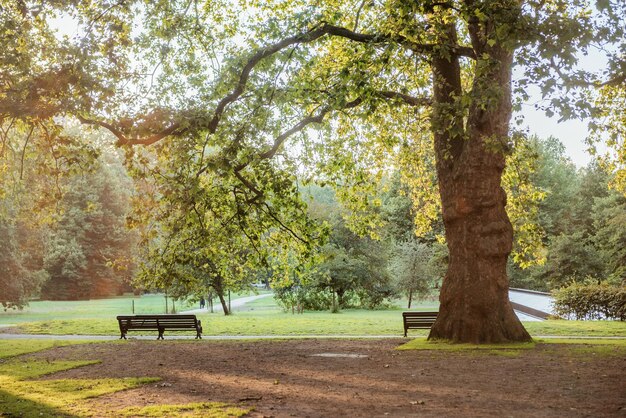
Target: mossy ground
[[577, 346]]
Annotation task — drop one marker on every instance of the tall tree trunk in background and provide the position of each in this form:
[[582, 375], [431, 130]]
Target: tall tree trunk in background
[[410, 298], [218, 285], [220, 294], [474, 303]]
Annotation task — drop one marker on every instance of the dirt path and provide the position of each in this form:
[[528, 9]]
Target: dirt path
[[289, 378]]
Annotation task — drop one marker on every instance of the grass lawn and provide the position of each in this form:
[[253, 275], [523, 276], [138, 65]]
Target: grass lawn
[[252, 322], [97, 308], [12, 348], [259, 317], [575, 328], [263, 317]]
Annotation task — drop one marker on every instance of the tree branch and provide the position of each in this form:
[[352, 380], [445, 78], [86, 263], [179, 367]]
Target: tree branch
[[410, 100], [306, 37], [123, 140], [273, 216]]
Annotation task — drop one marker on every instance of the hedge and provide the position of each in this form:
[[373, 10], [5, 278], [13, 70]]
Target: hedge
[[591, 301]]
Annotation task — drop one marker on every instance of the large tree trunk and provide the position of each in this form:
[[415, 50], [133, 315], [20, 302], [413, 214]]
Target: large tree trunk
[[474, 303]]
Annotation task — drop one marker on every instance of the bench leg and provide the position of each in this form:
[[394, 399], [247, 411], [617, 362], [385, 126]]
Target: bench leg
[[160, 337]]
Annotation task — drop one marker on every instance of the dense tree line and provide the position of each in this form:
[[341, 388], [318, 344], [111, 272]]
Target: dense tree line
[[89, 252], [583, 223], [80, 247], [64, 233], [365, 270]]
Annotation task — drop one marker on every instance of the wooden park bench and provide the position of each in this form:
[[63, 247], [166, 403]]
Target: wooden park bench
[[159, 323], [418, 320]]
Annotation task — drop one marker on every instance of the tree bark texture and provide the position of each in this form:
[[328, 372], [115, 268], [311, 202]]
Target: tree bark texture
[[474, 303]]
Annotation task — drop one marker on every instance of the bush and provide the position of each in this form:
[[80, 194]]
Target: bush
[[591, 301], [299, 298]]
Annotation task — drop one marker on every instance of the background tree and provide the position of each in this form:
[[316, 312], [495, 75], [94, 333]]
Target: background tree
[[609, 215], [413, 270], [352, 267], [416, 263], [90, 252], [36, 159], [206, 232], [21, 272], [574, 217]]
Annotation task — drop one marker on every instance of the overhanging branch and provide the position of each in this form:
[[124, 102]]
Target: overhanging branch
[[123, 140], [306, 37], [319, 117], [311, 36]]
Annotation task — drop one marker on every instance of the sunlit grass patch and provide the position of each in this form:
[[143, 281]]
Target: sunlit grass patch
[[576, 346], [72, 326], [584, 341], [424, 344], [98, 308], [348, 322], [203, 409], [575, 328], [58, 398], [11, 348], [31, 369]]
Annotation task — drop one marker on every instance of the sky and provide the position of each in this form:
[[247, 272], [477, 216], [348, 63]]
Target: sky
[[571, 133]]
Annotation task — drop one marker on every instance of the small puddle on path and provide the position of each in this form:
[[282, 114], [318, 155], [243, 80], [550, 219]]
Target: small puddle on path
[[343, 355]]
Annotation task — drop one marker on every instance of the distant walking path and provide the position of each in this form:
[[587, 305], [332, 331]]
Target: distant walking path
[[234, 304]]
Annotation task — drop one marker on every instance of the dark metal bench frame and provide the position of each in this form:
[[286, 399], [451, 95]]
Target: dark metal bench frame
[[159, 323], [418, 320]]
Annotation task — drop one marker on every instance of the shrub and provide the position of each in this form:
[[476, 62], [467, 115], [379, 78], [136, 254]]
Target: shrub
[[295, 298], [591, 301]]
